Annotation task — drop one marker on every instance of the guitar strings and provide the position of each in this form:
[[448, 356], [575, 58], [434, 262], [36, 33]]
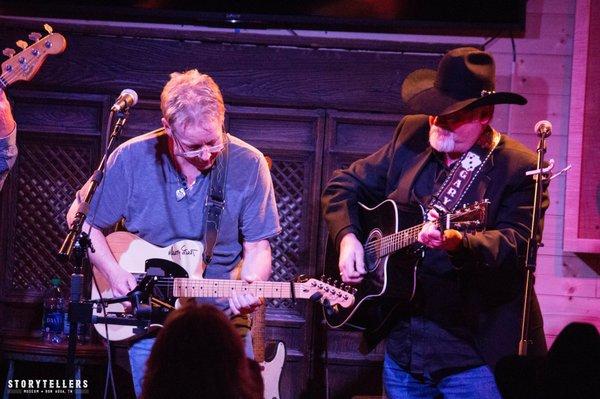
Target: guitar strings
[[404, 237]]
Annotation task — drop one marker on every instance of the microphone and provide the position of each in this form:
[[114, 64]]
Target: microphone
[[543, 128], [127, 99]]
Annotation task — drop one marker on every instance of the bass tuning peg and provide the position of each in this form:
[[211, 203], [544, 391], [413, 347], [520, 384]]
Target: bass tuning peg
[[9, 52], [35, 36], [22, 43]]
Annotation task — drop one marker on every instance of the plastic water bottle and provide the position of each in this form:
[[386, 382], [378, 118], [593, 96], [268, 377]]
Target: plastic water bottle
[[54, 317], [83, 331]]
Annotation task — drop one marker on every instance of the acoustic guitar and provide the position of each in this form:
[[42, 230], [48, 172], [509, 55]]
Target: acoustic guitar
[[391, 254]]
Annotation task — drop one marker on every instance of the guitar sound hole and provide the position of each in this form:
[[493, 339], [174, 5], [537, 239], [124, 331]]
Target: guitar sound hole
[[373, 250]]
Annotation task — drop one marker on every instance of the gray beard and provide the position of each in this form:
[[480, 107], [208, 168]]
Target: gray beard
[[441, 143]]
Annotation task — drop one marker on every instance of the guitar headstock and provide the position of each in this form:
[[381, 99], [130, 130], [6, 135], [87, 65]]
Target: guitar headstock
[[470, 217], [25, 64], [325, 288]]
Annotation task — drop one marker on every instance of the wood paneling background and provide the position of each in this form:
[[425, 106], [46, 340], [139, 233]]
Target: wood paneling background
[[567, 283], [313, 104]]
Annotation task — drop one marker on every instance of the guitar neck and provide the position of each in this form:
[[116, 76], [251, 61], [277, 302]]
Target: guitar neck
[[395, 242], [195, 288], [258, 333]]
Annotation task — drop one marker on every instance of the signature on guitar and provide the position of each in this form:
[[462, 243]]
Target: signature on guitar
[[183, 251]]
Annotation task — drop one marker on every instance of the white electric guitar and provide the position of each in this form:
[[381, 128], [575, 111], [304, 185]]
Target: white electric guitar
[[177, 271], [270, 369]]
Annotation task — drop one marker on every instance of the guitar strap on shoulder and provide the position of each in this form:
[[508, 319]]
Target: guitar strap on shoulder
[[215, 203], [464, 174]]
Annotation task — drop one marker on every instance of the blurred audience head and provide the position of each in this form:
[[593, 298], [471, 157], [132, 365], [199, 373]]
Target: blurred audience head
[[199, 354], [573, 364]]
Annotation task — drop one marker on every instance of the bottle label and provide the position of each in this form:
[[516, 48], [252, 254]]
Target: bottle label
[[53, 322]]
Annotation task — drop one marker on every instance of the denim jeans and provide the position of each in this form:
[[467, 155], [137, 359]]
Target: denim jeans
[[139, 353], [475, 383]]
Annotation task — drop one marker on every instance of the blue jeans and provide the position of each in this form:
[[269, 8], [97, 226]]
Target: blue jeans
[[475, 383], [139, 353]]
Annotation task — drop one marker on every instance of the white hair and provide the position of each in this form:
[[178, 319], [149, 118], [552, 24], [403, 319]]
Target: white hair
[[189, 97]]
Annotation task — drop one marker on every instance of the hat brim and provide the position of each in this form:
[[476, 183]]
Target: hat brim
[[421, 95]]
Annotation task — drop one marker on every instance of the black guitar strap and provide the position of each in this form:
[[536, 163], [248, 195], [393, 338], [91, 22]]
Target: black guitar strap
[[215, 203], [464, 174]]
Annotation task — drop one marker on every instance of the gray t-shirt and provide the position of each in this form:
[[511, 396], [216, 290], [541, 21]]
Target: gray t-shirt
[[141, 185]]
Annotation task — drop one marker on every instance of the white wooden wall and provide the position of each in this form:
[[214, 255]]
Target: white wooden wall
[[568, 288]]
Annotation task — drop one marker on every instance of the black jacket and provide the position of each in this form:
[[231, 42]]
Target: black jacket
[[490, 266]]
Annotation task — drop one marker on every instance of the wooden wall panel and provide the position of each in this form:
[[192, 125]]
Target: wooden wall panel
[[247, 74], [548, 63]]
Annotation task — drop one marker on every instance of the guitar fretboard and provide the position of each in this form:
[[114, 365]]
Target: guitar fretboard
[[402, 239], [189, 288], [394, 242]]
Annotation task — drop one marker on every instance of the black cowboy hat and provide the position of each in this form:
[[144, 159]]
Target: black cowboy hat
[[465, 79]]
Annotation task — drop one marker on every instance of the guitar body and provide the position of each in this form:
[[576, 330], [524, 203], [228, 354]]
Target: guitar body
[[139, 257], [390, 280], [271, 372], [270, 369]]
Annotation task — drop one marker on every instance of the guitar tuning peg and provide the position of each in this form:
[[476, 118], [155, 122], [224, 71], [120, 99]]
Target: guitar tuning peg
[[48, 28], [22, 43], [9, 52], [35, 36]]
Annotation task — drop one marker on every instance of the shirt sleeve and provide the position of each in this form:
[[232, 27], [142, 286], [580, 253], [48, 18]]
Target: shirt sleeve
[[111, 199], [8, 154], [260, 219]]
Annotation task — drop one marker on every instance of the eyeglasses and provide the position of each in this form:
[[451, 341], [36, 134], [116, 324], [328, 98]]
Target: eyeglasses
[[202, 152]]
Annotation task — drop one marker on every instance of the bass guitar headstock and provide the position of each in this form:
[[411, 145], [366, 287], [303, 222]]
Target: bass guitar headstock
[[25, 64]]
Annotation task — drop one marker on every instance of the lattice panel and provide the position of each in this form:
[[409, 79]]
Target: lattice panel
[[289, 182], [49, 175]]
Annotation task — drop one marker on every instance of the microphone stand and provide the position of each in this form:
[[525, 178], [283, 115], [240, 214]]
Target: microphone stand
[[78, 243], [532, 242]]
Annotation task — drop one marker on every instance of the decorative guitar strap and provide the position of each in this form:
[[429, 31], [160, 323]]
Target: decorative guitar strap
[[215, 203], [464, 173]]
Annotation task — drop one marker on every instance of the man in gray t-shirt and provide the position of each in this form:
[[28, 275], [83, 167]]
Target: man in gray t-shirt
[[158, 184]]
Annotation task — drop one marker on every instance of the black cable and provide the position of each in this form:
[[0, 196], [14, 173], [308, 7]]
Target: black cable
[[488, 41], [514, 48]]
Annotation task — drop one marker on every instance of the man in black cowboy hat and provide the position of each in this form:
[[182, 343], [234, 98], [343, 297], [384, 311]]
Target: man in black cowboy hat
[[466, 313]]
